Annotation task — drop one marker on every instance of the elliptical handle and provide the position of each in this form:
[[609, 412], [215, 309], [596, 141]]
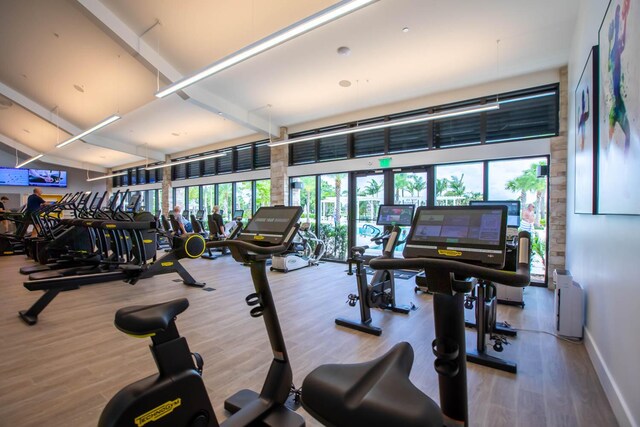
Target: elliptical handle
[[519, 278], [261, 250]]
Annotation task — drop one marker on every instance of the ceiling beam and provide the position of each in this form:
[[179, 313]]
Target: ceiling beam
[[47, 158], [72, 129], [197, 96]]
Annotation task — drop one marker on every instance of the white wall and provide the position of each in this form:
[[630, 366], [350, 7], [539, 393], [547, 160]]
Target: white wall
[[76, 178], [603, 255]]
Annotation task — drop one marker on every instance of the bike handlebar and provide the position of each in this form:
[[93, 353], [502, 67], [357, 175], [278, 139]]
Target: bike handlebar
[[241, 244]]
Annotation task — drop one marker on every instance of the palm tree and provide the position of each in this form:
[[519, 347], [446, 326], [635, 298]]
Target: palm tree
[[400, 183], [457, 189], [529, 182], [441, 187], [417, 184], [372, 188]]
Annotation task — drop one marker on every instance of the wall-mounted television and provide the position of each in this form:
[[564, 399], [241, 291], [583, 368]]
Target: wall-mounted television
[[33, 177]]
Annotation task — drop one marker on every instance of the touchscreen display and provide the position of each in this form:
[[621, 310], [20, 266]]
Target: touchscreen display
[[472, 227], [400, 215]]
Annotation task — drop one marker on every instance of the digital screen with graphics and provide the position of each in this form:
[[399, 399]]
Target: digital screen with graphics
[[47, 178], [400, 215], [513, 209], [272, 220], [10, 176], [468, 227]]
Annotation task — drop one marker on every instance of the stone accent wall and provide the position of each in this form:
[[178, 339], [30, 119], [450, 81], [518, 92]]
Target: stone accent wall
[[109, 182], [167, 194], [558, 187], [280, 175]]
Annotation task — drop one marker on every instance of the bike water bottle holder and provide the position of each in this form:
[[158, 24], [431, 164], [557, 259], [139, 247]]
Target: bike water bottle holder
[[446, 351], [254, 300]]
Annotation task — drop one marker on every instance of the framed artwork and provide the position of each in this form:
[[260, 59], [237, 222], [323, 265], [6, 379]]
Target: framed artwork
[[586, 111], [619, 106]]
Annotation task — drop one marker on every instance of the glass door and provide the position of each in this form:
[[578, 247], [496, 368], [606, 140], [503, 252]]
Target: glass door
[[333, 214], [369, 196], [409, 188]]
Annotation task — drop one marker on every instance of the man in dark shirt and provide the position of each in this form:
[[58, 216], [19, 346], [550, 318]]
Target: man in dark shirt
[[33, 204]]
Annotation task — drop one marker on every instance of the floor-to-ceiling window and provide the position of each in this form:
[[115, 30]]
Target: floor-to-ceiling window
[[409, 188], [225, 200], [193, 199], [263, 193], [244, 198], [369, 196], [458, 184], [208, 198], [179, 198], [151, 205], [333, 214], [518, 180], [303, 193]]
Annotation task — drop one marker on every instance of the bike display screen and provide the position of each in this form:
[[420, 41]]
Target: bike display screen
[[400, 215]]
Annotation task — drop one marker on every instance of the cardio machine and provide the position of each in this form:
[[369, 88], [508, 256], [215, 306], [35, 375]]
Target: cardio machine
[[453, 245], [381, 292], [176, 396], [306, 250]]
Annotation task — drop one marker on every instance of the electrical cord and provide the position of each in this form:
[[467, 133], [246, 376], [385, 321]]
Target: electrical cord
[[569, 340]]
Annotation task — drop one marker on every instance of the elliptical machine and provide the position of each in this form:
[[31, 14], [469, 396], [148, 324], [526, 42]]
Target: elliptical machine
[[176, 395], [381, 292], [306, 250]]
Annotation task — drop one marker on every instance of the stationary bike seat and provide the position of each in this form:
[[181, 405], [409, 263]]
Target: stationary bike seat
[[149, 319], [377, 393]]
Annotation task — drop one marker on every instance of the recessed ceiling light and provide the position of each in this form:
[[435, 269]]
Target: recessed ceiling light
[[78, 88], [405, 30], [56, 35], [344, 83], [344, 51]]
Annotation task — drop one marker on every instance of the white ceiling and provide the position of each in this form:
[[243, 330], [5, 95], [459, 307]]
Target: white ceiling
[[48, 46]]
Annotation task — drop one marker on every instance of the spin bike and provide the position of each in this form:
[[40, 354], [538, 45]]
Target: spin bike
[[176, 396], [380, 293]]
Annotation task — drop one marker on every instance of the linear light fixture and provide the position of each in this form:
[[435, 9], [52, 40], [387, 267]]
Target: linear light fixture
[[100, 125], [181, 162], [398, 122], [111, 175], [314, 21], [26, 162]]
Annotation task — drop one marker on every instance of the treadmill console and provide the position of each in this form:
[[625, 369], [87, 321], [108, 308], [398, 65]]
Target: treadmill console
[[400, 215], [473, 234]]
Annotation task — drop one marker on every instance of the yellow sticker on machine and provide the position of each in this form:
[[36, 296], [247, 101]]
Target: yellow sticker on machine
[[449, 252], [110, 225], [148, 241], [158, 412], [166, 264], [258, 237]]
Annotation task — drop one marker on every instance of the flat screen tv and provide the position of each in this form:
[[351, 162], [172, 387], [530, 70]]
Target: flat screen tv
[[47, 178]]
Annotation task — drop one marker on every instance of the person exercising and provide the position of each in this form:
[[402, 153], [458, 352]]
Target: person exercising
[[5, 222], [528, 218], [177, 214], [34, 202], [617, 43], [219, 222]]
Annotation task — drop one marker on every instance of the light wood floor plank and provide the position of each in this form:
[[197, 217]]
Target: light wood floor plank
[[62, 371]]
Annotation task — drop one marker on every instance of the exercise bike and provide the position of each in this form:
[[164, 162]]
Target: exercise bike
[[344, 395], [306, 250], [381, 292], [176, 395]]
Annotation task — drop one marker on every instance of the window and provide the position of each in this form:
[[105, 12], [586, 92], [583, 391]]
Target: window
[[408, 138], [193, 200], [142, 176], [179, 171], [303, 152], [261, 156], [333, 148], [208, 198], [369, 142], [193, 169], [159, 174], [225, 200], [524, 116], [124, 179], [333, 214], [115, 181], [457, 131], [179, 198], [133, 176], [244, 197], [225, 163], [209, 167], [152, 205], [263, 193], [244, 157], [303, 194], [457, 184]]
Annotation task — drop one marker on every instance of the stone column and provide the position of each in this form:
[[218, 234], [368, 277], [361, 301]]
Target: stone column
[[109, 182], [558, 187], [166, 188], [279, 172]]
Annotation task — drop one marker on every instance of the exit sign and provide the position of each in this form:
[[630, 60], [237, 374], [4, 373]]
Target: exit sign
[[385, 162]]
